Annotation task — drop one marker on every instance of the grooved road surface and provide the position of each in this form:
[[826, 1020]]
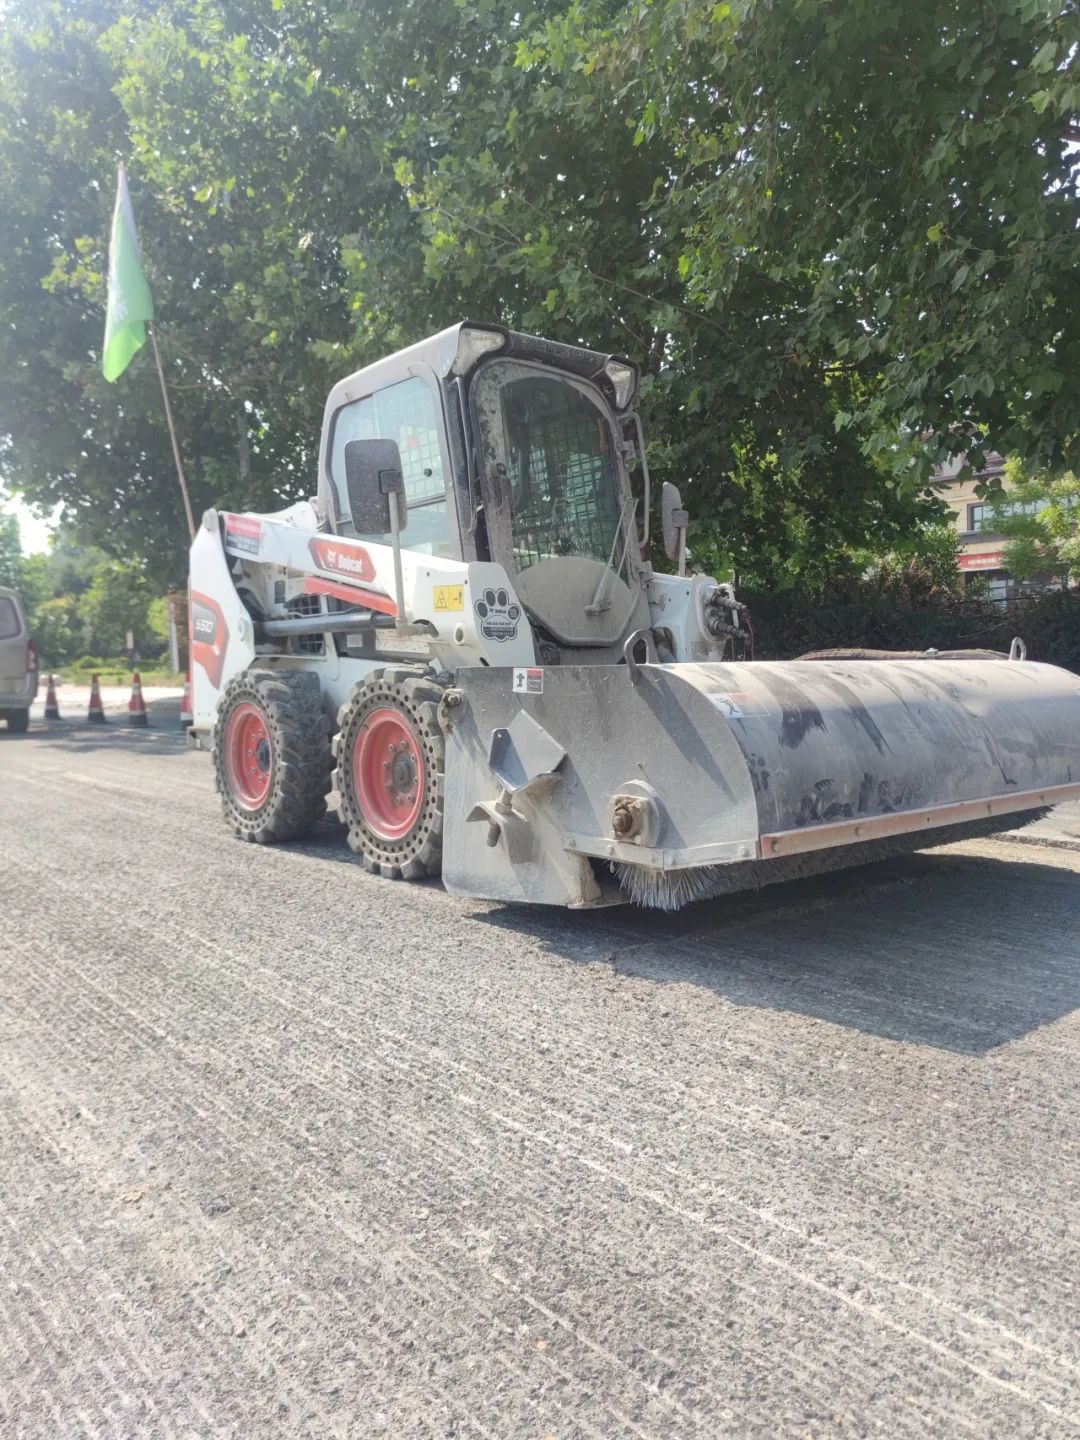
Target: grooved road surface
[[290, 1151]]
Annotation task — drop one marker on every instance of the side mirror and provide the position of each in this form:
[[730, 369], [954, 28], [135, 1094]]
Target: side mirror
[[372, 475], [673, 522]]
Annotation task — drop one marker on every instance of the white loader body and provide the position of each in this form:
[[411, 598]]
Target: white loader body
[[289, 549]]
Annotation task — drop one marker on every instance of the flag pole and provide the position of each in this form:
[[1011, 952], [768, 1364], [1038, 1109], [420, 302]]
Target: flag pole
[[172, 430]]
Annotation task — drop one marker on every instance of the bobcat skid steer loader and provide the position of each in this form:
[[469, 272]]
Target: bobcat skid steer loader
[[461, 636]]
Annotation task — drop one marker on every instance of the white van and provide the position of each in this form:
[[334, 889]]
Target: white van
[[18, 663]]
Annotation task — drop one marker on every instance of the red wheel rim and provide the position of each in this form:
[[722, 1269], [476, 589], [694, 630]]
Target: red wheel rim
[[249, 756], [388, 773]]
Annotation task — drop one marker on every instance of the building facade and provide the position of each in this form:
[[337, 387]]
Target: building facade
[[980, 551]]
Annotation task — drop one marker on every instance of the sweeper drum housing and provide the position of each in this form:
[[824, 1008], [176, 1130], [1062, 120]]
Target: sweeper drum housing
[[677, 781]]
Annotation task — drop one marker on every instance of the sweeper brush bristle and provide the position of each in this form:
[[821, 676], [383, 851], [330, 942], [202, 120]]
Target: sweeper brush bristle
[[672, 889]]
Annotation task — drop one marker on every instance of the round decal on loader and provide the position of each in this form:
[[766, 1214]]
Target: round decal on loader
[[497, 616]]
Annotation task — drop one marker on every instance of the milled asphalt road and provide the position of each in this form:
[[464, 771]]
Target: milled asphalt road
[[291, 1151]]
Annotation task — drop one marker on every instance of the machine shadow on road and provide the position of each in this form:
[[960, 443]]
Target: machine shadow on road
[[961, 953], [79, 738]]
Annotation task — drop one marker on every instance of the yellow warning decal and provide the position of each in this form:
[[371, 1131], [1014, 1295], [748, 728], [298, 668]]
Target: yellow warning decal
[[449, 597]]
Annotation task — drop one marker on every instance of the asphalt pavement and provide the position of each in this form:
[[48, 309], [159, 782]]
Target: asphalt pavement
[[292, 1151]]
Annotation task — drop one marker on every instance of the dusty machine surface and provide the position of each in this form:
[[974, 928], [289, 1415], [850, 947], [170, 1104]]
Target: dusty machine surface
[[461, 635]]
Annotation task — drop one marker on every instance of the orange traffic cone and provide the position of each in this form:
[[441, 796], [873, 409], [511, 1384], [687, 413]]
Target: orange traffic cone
[[52, 709], [96, 712], [136, 705], [187, 717]]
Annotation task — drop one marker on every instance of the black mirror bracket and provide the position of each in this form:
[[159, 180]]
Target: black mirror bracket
[[395, 492], [675, 522], [377, 502]]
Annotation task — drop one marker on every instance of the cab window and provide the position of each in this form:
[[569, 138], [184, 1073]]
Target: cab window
[[408, 413]]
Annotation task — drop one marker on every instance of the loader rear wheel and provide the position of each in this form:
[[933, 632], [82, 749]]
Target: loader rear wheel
[[390, 756], [272, 754]]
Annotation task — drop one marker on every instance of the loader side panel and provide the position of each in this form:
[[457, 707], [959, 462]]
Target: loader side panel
[[221, 636]]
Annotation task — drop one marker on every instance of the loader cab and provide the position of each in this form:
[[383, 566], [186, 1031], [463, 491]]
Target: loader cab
[[513, 449]]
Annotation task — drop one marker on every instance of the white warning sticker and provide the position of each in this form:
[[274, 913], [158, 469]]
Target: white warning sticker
[[243, 534], [529, 681]]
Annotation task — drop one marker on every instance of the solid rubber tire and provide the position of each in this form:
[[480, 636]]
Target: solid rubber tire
[[291, 702], [417, 696]]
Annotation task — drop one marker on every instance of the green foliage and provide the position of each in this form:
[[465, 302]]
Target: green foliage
[[157, 619], [116, 603], [67, 568], [840, 238], [58, 630], [926, 571], [35, 583], [243, 276], [77, 599], [10, 552], [905, 179], [897, 615], [116, 672], [1046, 540]]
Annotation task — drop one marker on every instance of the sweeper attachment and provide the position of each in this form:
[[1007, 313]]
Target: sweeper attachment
[[459, 635]]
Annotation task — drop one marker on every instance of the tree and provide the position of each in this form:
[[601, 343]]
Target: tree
[[841, 239], [56, 627], [1039, 516], [115, 604], [543, 201], [68, 568], [10, 551], [157, 619], [78, 601], [919, 576], [251, 178], [905, 176], [34, 582]]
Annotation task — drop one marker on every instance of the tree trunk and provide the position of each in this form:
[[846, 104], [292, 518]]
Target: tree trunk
[[243, 450]]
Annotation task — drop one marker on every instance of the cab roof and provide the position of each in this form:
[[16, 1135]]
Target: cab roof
[[443, 353]]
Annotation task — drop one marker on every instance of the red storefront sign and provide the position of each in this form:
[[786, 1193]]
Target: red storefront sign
[[991, 560]]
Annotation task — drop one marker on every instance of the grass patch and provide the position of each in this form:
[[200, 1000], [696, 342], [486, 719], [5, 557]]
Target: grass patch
[[113, 672]]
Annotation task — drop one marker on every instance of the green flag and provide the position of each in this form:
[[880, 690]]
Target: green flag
[[130, 302]]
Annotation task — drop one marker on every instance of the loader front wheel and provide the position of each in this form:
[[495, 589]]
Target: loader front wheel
[[390, 755], [272, 754]]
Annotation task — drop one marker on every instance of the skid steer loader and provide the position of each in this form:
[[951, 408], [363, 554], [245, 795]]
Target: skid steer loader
[[461, 635]]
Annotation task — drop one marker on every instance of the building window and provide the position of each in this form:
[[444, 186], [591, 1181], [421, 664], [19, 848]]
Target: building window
[[981, 516]]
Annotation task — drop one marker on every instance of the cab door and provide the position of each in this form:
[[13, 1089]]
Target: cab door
[[409, 412]]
